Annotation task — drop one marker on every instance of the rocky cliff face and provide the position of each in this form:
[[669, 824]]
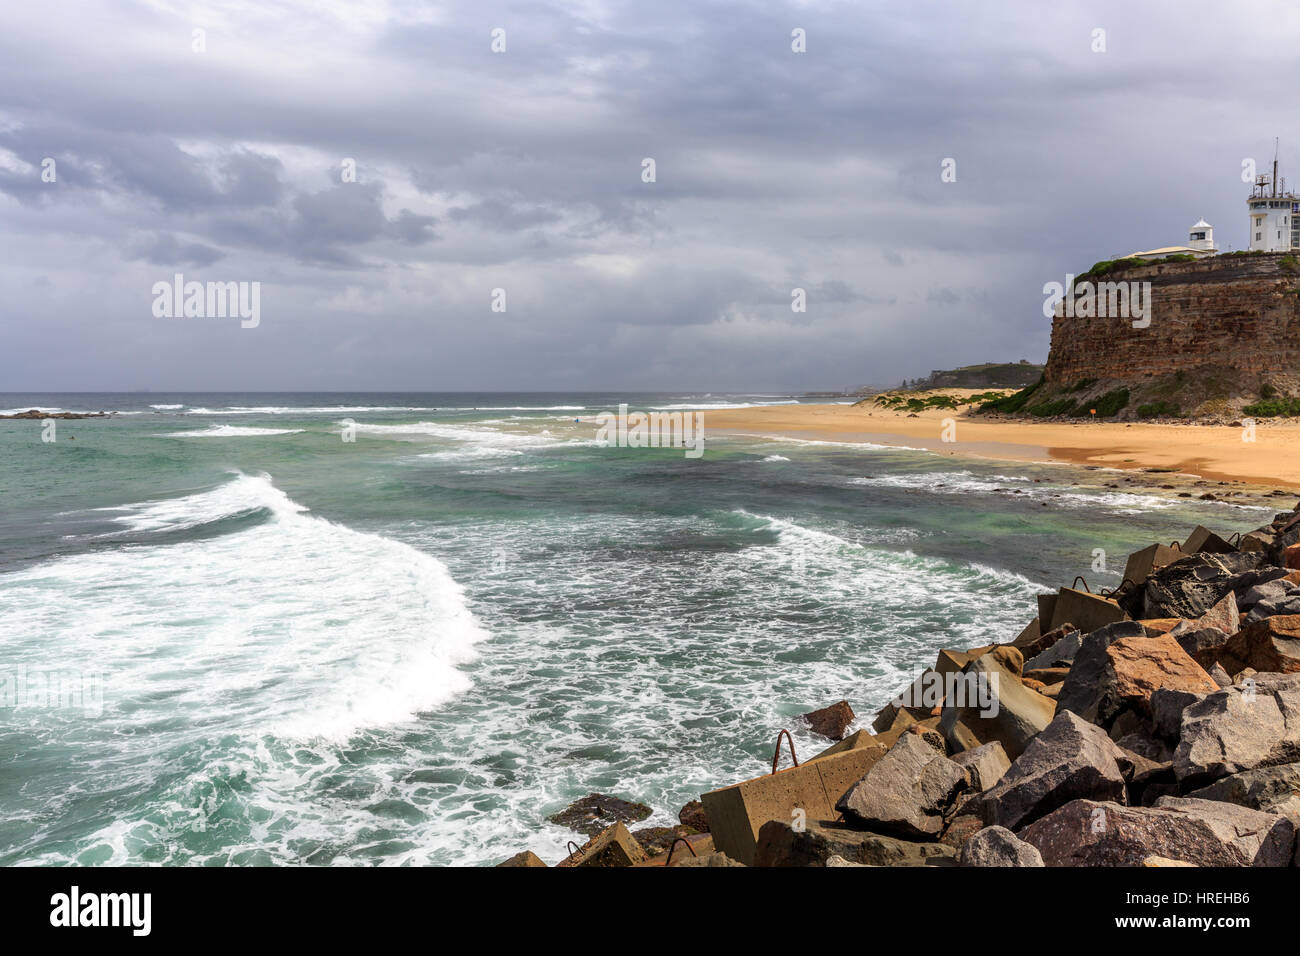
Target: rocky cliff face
[[1237, 312]]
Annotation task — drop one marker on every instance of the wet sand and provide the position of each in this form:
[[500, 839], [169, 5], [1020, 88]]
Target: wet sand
[[1211, 452]]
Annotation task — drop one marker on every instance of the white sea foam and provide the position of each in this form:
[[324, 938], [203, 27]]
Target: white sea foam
[[967, 483], [232, 431], [297, 626]]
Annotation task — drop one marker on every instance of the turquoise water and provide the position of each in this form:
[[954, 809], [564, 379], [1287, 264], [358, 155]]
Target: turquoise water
[[413, 647]]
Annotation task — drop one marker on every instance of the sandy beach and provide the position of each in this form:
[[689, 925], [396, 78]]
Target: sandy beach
[[1211, 452]]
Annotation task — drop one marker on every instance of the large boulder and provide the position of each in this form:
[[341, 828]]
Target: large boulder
[[1191, 586], [998, 846], [1071, 759], [1043, 641], [1271, 789], [995, 705], [1167, 706], [906, 792], [1203, 832], [1252, 724], [1225, 615], [1057, 653], [814, 843], [985, 764], [1081, 691], [1137, 666], [1272, 644], [1202, 644]]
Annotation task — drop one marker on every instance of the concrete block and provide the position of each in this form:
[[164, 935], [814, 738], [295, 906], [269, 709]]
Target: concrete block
[[1085, 611], [1203, 540], [736, 813], [1142, 563]]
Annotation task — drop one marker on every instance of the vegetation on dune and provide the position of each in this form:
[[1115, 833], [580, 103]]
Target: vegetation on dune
[[1061, 406], [1012, 403], [1112, 403], [1273, 407], [1159, 409]]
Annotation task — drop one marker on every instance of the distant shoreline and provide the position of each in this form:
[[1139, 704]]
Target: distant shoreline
[[1209, 452]]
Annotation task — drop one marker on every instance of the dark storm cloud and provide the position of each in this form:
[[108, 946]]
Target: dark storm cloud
[[522, 170]]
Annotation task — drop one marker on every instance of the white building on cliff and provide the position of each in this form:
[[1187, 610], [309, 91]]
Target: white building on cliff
[[1200, 243]]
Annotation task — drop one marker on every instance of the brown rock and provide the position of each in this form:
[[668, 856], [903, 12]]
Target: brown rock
[[692, 815], [831, 721], [1223, 615], [596, 811], [1271, 644], [1160, 625], [1140, 665], [657, 840], [1047, 675]]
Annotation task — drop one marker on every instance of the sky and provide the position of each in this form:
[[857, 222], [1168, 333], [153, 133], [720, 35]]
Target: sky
[[516, 177]]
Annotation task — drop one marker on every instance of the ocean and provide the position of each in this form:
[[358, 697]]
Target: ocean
[[229, 636]]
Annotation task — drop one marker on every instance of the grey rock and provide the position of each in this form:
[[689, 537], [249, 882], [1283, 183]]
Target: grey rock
[[1153, 748], [1167, 706], [779, 844], [1203, 832], [1276, 590], [1271, 789], [1071, 759], [998, 846], [1202, 644], [1240, 728], [1191, 586], [906, 792], [1060, 652], [985, 764]]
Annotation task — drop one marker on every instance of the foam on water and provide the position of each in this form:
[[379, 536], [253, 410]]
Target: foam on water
[[232, 431], [252, 658]]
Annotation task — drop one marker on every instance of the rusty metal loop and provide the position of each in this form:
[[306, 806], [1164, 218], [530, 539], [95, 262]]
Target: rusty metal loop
[[1077, 579], [574, 850], [1237, 535], [1117, 588], [1175, 544], [776, 757], [674, 846]]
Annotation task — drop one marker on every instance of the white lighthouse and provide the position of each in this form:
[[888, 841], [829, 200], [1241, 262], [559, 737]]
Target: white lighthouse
[[1201, 237], [1274, 215]]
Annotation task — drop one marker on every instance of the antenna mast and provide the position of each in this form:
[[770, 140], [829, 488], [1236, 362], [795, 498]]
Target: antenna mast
[[1274, 165]]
